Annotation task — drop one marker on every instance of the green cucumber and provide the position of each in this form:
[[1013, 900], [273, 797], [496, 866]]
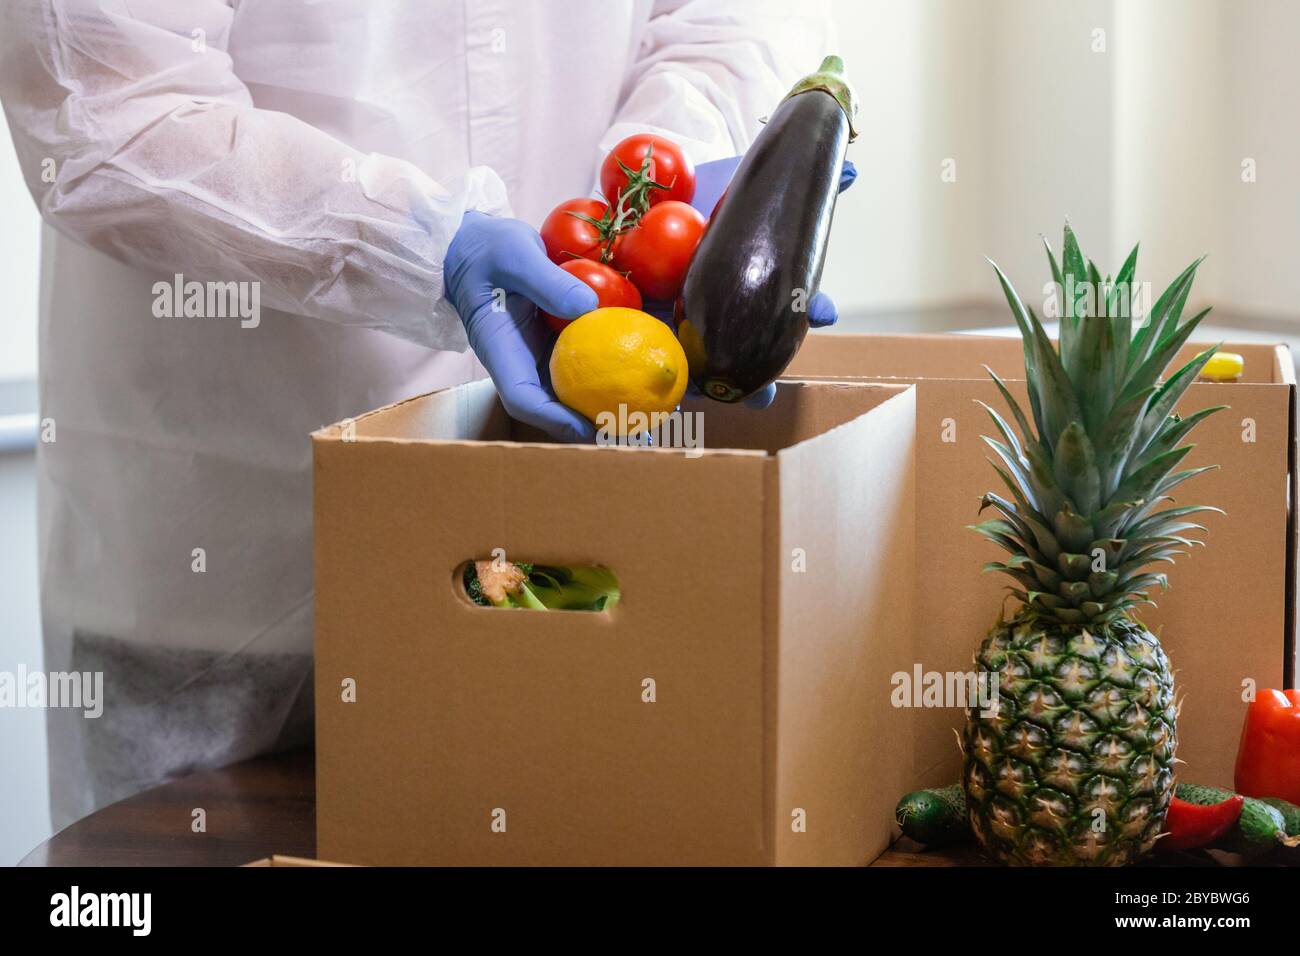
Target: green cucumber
[[1202, 795], [1260, 827], [934, 817], [1290, 813], [937, 816]]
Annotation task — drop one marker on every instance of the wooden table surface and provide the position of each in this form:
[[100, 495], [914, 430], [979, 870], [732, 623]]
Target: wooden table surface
[[251, 810], [267, 807]]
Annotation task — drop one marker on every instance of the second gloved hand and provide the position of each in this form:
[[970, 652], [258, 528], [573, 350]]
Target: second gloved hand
[[497, 275]]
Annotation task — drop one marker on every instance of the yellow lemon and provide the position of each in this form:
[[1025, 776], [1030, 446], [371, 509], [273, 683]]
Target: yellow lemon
[[619, 357]]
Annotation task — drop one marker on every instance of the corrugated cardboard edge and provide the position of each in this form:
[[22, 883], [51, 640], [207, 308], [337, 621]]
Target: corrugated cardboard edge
[[771, 636], [328, 431], [333, 432], [1284, 373], [278, 860]]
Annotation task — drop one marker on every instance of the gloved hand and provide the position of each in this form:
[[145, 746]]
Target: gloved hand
[[711, 181], [489, 253]]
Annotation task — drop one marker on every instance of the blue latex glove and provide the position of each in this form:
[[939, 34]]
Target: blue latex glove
[[711, 181], [513, 343]]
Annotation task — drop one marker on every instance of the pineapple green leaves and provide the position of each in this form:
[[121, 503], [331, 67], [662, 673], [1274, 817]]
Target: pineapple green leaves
[[1090, 467]]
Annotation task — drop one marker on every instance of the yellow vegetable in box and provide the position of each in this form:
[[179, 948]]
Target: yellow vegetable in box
[[1224, 367]]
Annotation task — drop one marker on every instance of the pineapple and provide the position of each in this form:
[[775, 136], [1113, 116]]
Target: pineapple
[[1074, 766]]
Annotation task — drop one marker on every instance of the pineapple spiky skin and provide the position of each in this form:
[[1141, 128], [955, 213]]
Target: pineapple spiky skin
[[1075, 764]]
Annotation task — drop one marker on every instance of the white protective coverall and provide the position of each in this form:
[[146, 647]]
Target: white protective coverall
[[325, 151]]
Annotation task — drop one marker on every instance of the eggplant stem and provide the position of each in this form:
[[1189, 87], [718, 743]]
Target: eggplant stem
[[830, 79]]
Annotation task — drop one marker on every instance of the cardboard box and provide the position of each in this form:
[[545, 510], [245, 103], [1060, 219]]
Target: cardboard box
[[1229, 615], [748, 600]]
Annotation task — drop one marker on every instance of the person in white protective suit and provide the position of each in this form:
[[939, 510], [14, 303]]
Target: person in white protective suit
[[323, 155]]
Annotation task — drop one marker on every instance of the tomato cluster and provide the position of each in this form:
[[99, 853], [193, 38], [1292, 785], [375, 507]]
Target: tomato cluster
[[638, 240]]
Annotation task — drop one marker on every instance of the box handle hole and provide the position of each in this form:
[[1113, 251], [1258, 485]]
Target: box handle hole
[[496, 583]]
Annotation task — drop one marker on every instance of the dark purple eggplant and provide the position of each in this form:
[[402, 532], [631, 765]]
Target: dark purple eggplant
[[742, 313]]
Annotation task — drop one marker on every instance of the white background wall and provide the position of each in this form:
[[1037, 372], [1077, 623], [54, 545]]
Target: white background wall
[[1143, 140]]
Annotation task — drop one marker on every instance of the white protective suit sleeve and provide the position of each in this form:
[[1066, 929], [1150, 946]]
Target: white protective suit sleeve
[[139, 142], [706, 71]]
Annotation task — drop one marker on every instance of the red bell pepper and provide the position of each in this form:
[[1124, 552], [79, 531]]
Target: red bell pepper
[[1268, 757], [1189, 825]]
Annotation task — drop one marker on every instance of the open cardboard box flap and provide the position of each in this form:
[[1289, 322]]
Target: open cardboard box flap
[[472, 413], [292, 861], [886, 357]]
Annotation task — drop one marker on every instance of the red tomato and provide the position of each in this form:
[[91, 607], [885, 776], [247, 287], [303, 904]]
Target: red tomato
[[657, 252], [612, 288], [567, 236], [668, 167]]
